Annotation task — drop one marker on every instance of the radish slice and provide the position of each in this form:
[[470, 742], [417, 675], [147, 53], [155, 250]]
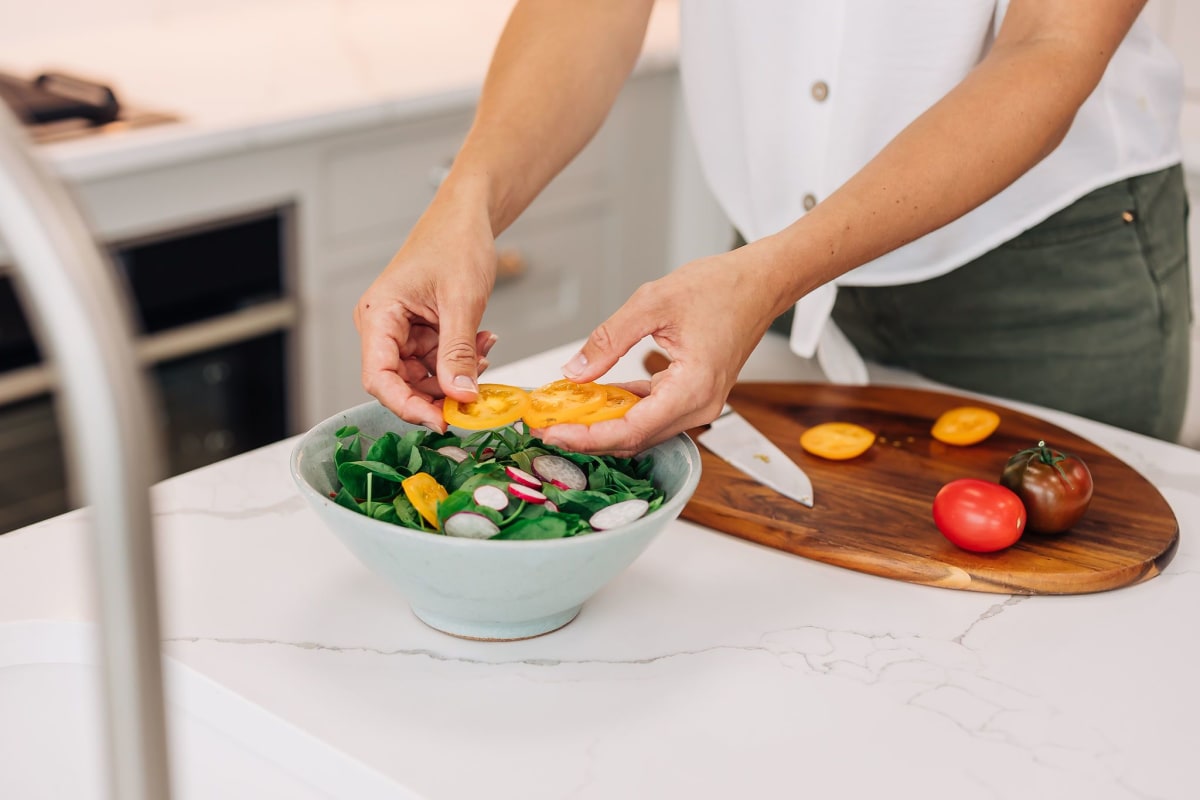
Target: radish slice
[[551, 506], [521, 476], [559, 485], [618, 514], [455, 454], [560, 472], [486, 453], [491, 497], [469, 525], [526, 494]]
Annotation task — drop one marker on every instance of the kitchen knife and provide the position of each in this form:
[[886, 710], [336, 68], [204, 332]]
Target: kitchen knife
[[733, 439], [738, 442]]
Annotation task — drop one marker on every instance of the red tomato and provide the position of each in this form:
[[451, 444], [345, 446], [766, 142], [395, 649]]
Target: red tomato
[[980, 516]]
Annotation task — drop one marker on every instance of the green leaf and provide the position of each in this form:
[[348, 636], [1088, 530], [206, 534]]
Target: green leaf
[[578, 501], [406, 514], [546, 526], [434, 440], [384, 449], [415, 460], [600, 477], [464, 501], [437, 465], [346, 430], [344, 498], [353, 475], [350, 450], [408, 442], [524, 461], [385, 512], [372, 508], [610, 480]]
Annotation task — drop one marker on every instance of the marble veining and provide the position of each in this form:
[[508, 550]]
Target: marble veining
[[711, 668]]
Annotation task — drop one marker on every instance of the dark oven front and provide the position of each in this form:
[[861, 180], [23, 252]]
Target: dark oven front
[[216, 316]]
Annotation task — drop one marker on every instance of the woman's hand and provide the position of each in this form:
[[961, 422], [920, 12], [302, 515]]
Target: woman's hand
[[708, 316], [419, 320]]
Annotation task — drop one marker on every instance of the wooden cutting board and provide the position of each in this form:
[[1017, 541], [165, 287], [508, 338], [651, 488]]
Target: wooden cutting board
[[873, 513]]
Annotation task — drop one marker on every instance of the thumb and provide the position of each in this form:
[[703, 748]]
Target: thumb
[[457, 359], [610, 340]]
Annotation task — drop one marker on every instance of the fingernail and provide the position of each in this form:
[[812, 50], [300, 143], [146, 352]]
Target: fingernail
[[574, 368], [490, 343], [465, 382]]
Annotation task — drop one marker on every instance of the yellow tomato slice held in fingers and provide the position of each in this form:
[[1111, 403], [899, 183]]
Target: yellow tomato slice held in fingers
[[837, 441], [424, 492], [498, 405], [562, 401], [965, 425], [616, 402]]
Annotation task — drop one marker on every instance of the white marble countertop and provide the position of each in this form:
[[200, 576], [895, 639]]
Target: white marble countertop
[[255, 75], [711, 668]]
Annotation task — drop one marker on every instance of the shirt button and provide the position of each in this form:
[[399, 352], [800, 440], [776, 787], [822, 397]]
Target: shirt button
[[820, 90], [809, 202]]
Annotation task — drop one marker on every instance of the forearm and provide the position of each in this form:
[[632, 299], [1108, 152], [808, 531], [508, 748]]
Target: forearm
[[554, 76], [1000, 121]]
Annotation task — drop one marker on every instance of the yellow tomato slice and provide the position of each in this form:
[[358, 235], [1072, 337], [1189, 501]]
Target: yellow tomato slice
[[837, 441], [965, 425], [616, 402], [498, 405], [562, 401], [424, 492]]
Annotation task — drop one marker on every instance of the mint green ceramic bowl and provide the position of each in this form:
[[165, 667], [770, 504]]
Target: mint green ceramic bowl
[[482, 589]]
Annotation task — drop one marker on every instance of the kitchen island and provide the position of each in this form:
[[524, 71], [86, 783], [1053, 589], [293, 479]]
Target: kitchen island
[[711, 668]]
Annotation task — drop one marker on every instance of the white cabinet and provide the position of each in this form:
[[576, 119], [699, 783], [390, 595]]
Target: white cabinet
[[599, 230]]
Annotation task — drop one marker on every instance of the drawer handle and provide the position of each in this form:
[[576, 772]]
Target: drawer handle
[[192, 339], [511, 265]]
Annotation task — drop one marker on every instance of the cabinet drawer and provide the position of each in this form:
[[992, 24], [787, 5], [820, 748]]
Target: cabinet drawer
[[373, 187], [556, 297], [371, 183]]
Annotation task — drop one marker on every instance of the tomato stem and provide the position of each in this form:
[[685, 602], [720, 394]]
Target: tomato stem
[[1048, 456]]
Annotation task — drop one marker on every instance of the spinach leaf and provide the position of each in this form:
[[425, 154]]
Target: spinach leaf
[[350, 449], [407, 443], [437, 465], [344, 498], [584, 502], [464, 501], [384, 449], [546, 526], [371, 484], [385, 512], [407, 515], [353, 475]]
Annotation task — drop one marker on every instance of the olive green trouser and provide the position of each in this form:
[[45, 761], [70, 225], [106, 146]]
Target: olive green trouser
[[1087, 312]]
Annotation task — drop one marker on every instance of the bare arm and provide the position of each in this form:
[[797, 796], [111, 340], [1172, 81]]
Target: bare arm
[[1010, 112], [554, 76]]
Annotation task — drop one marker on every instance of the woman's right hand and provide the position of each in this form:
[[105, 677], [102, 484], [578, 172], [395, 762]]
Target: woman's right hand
[[419, 320]]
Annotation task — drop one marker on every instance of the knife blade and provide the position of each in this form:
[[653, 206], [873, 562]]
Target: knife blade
[[735, 440], [732, 438]]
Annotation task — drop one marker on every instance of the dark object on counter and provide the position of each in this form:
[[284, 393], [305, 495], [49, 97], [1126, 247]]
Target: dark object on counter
[[56, 96]]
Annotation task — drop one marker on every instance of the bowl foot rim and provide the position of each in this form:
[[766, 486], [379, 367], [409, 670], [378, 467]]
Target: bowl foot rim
[[496, 631]]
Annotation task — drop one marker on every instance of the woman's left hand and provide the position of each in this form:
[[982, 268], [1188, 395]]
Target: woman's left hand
[[708, 316]]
